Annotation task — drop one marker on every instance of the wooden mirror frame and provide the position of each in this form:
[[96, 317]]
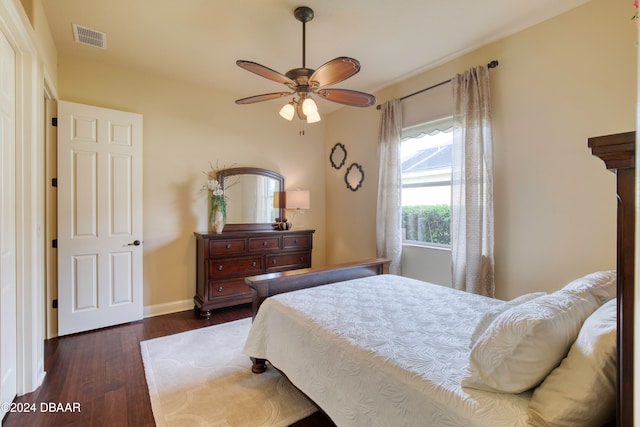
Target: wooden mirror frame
[[338, 149], [227, 173], [351, 172]]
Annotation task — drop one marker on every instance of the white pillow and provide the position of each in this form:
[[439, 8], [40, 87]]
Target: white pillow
[[490, 315], [602, 285], [582, 390], [526, 342]]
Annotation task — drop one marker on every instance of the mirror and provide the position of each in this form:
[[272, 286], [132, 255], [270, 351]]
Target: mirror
[[255, 198]]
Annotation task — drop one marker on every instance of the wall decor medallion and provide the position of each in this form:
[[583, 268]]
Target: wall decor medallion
[[354, 177], [338, 156]]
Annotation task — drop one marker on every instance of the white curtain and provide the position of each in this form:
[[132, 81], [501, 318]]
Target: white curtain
[[472, 185], [389, 206]]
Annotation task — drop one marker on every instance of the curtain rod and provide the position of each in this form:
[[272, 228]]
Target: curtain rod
[[492, 64]]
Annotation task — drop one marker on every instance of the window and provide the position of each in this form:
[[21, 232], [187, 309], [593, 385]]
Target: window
[[426, 183]]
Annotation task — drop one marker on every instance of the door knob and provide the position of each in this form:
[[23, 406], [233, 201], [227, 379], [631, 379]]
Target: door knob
[[135, 243]]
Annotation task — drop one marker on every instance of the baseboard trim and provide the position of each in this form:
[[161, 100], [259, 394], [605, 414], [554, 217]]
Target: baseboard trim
[[167, 308]]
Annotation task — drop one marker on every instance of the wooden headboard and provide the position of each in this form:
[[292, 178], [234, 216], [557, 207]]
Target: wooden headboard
[[618, 153]]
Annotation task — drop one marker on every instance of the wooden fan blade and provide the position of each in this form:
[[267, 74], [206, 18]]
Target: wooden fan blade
[[348, 97], [263, 97], [266, 72], [334, 71]]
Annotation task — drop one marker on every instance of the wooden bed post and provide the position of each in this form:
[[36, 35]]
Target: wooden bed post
[[618, 153]]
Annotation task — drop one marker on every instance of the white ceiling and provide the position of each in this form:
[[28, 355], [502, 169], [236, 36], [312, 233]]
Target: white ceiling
[[200, 40]]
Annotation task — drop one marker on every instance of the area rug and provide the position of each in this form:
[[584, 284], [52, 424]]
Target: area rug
[[202, 378]]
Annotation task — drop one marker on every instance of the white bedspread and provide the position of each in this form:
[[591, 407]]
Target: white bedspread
[[382, 351]]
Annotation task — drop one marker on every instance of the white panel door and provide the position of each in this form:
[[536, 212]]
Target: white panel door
[[8, 303], [99, 217]]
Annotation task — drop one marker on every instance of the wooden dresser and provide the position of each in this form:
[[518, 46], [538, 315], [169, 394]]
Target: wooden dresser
[[225, 259]]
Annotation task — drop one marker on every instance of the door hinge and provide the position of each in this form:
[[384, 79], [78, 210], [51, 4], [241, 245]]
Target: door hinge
[[54, 303], [54, 121], [54, 182], [54, 243]]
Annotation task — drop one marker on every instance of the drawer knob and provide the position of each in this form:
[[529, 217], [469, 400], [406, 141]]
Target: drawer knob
[[220, 268], [220, 289], [228, 246], [301, 258], [264, 243], [274, 262], [295, 242], [253, 264]]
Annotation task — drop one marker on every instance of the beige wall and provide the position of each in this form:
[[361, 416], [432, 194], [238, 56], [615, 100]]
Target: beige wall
[[185, 128], [558, 83]]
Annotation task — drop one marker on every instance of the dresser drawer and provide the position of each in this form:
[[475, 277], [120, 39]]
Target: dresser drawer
[[301, 241], [288, 261], [225, 288], [246, 266], [226, 247], [225, 259], [263, 243]]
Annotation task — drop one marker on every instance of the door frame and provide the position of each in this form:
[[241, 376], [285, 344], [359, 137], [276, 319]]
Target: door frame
[[51, 216], [8, 302], [31, 81]]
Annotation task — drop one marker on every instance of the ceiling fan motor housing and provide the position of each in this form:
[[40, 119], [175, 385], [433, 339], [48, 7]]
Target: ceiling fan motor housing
[[300, 76]]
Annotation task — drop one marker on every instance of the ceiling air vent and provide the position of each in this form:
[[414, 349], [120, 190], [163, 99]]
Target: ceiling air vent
[[84, 35]]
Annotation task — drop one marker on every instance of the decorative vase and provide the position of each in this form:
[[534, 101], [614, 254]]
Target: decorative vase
[[217, 221]]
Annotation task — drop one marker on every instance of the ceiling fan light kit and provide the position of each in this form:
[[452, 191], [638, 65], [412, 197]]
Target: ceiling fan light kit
[[309, 106], [313, 118], [288, 111], [304, 82]]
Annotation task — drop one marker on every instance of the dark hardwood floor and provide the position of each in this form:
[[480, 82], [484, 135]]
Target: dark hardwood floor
[[102, 371]]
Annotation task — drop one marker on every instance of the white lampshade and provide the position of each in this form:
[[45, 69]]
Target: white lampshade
[[288, 111], [313, 117], [298, 199], [309, 107]]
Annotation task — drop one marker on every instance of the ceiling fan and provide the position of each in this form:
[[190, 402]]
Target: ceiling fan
[[304, 82]]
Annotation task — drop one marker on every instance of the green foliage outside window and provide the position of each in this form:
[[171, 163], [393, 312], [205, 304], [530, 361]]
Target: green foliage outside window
[[427, 223]]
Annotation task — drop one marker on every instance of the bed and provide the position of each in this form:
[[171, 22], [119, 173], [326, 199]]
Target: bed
[[373, 349]]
